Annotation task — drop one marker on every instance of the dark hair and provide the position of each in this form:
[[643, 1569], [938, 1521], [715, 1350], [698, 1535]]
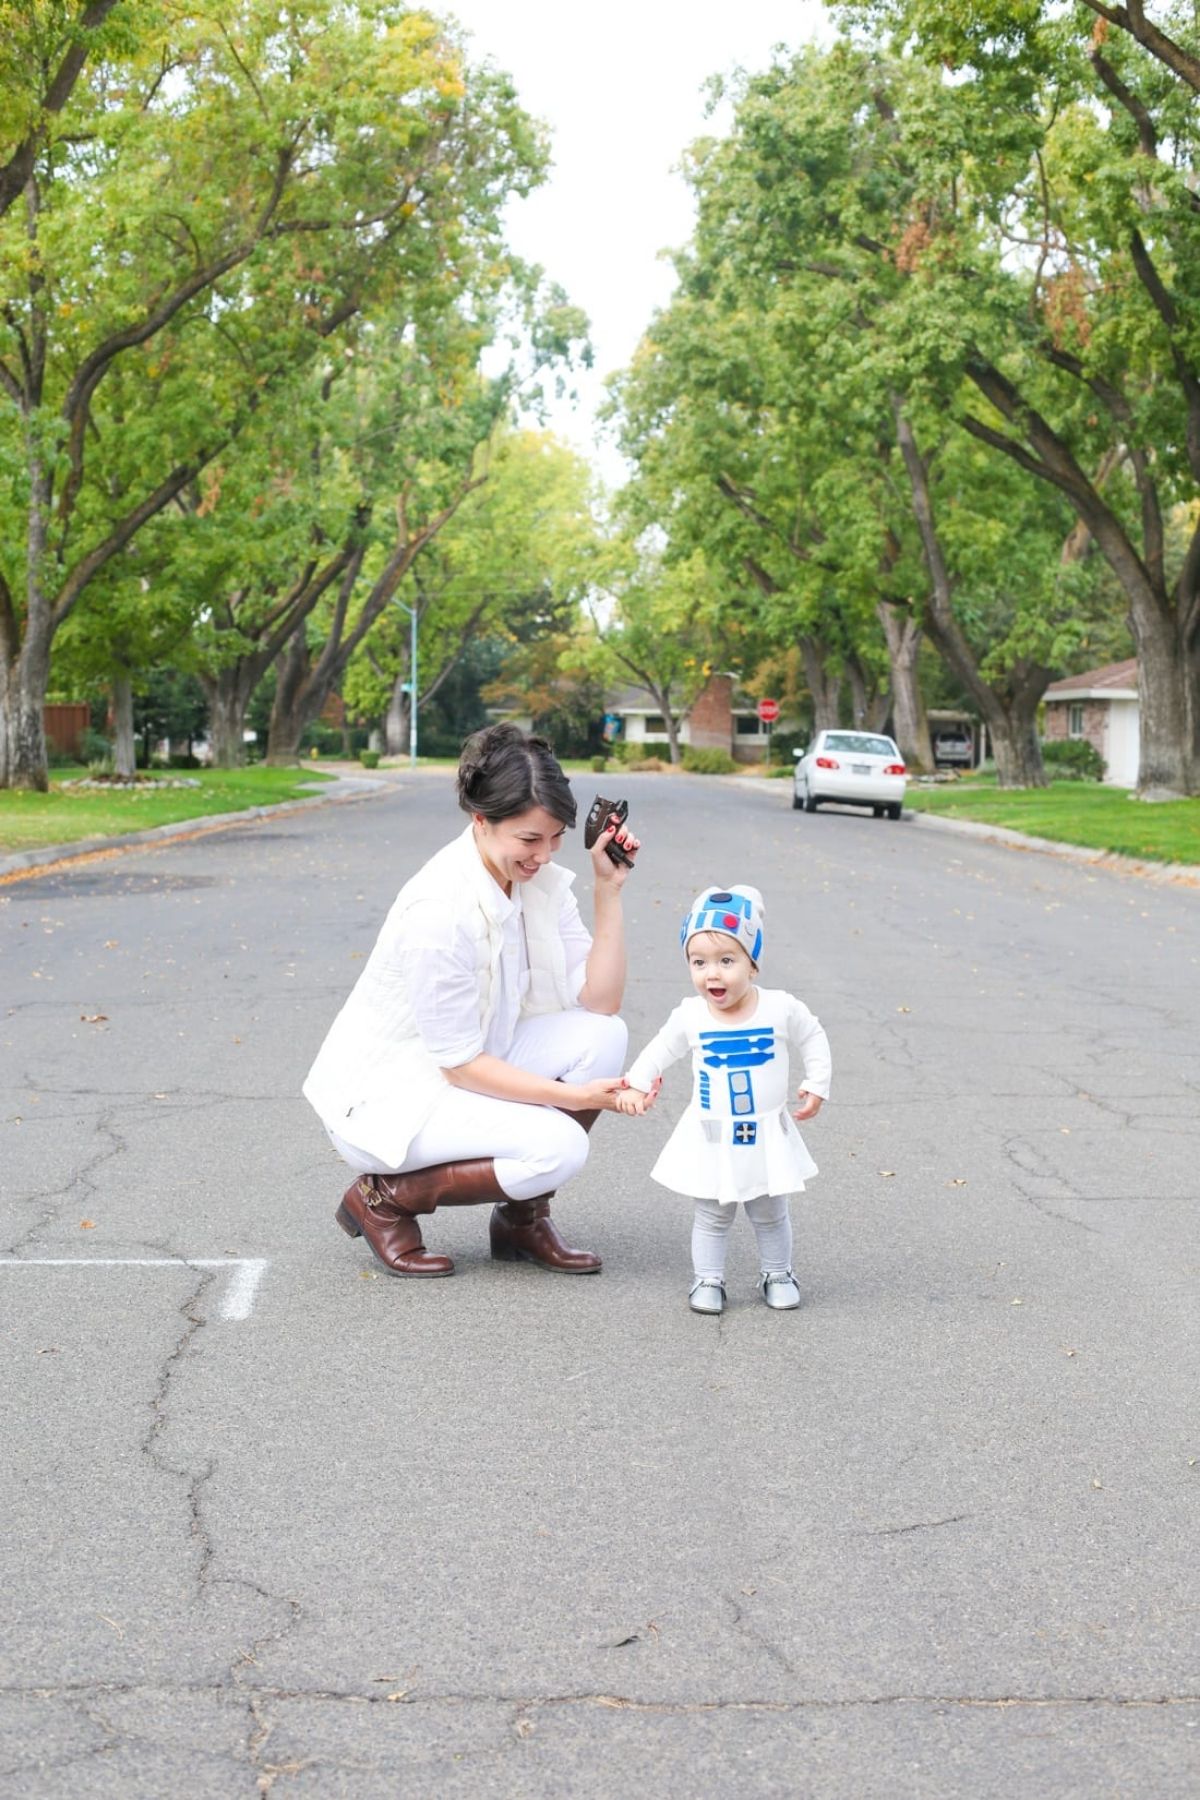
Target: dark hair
[[502, 772]]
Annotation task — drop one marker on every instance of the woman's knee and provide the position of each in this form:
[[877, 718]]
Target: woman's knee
[[557, 1153]]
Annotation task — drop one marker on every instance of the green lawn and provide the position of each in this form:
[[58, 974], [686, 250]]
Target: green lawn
[[64, 815], [1073, 812]]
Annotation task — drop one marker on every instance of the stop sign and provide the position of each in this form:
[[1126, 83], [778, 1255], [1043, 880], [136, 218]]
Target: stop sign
[[768, 711]]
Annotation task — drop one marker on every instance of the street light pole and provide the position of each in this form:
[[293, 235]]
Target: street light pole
[[412, 679]]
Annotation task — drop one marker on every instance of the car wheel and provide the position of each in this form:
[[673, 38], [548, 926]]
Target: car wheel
[[810, 803], [797, 802], [893, 812], [879, 811]]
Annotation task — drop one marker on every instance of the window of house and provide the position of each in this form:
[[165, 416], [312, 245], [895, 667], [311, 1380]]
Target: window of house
[[748, 725], [656, 725], [1075, 720]]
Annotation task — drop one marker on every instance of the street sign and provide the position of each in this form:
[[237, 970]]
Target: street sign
[[768, 711]]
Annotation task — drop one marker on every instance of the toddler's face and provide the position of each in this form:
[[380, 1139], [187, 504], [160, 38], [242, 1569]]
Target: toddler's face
[[719, 968]]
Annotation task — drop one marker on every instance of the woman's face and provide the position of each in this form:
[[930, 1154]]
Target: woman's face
[[515, 849]]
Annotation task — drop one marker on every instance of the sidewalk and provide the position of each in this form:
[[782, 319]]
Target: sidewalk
[[341, 788]]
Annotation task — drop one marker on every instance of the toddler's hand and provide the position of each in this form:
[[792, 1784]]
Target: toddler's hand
[[810, 1105], [632, 1102]]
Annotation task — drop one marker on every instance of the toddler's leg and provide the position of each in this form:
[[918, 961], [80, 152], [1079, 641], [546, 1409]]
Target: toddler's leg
[[773, 1228], [710, 1240]]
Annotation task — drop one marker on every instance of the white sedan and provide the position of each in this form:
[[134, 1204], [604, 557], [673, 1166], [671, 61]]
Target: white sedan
[[851, 768]]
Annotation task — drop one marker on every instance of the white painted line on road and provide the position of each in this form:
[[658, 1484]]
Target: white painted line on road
[[239, 1295]]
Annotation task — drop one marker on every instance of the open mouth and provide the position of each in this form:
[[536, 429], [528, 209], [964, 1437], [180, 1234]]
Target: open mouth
[[717, 993]]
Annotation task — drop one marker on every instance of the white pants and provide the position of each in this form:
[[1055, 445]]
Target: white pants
[[535, 1148], [768, 1214]]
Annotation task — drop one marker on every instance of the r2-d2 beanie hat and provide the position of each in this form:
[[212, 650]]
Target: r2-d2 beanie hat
[[736, 912]]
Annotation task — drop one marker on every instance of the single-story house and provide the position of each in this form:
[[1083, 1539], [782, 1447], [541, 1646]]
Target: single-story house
[[721, 717], [1100, 705]]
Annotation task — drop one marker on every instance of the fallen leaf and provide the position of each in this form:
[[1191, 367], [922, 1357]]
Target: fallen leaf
[[1067, 1352], [957, 1181], [1097, 1484], [50, 1350], [524, 1728], [93, 1018], [111, 943], [904, 1009], [400, 1694], [366, 1275], [1066, 1130], [1018, 1303], [87, 1225], [887, 1171]]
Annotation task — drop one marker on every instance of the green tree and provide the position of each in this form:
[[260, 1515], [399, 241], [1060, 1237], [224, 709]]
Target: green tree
[[217, 204], [1043, 227]]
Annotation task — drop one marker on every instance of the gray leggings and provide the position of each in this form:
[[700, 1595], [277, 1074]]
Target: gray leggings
[[768, 1214]]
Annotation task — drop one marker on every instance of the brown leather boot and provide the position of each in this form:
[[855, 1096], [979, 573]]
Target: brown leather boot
[[381, 1208], [523, 1231]]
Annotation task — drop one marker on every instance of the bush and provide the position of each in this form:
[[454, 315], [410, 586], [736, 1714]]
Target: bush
[[369, 759], [779, 771], [647, 765], [94, 747], [1072, 759], [599, 764], [182, 759], [708, 762]]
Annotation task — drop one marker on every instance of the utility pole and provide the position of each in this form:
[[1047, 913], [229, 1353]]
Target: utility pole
[[413, 615]]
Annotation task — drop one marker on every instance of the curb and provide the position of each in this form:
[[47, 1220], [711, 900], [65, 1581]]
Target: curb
[[27, 862]]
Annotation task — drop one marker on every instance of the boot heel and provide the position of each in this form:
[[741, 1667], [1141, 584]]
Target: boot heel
[[505, 1253], [346, 1220]]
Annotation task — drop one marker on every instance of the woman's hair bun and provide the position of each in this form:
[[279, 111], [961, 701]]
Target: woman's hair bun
[[503, 772]]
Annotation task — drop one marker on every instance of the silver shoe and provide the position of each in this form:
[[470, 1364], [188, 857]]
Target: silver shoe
[[707, 1296], [780, 1291]]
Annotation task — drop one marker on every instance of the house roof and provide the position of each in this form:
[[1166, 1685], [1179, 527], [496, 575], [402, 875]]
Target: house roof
[[1110, 678]]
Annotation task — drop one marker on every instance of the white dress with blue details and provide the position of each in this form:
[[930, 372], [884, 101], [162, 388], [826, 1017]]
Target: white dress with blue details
[[737, 1138]]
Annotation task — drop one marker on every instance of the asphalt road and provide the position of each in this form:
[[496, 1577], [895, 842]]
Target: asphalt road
[[274, 1523]]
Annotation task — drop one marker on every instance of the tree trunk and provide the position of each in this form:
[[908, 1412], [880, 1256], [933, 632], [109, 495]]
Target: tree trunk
[[1017, 749], [227, 703], [22, 731], [395, 720], [870, 704], [1011, 710], [826, 689], [1168, 766], [288, 720], [300, 693], [902, 631], [124, 750]]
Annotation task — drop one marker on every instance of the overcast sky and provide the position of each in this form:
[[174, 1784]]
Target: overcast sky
[[621, 87]]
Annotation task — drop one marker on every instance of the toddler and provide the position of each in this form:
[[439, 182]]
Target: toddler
[[735, 1141]]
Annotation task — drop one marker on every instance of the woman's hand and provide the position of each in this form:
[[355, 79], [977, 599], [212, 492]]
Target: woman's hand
[[810, 1105], [608, 873], [591, 1096]]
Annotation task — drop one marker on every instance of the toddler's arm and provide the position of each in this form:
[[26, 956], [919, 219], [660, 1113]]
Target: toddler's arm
[[646, 1071], [804, 1030]]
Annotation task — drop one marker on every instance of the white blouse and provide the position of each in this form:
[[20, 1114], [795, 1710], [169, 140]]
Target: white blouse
[[437, 963]]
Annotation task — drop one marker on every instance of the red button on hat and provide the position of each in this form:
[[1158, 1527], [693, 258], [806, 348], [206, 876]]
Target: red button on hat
[[732, 921]]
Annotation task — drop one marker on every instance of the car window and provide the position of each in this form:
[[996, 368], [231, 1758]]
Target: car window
[[858, 742]]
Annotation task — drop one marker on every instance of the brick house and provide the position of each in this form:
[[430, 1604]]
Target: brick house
[[719, 718], [1101, 705]]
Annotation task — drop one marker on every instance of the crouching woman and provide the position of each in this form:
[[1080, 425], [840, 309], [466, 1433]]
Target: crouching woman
[[481, 1041]]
